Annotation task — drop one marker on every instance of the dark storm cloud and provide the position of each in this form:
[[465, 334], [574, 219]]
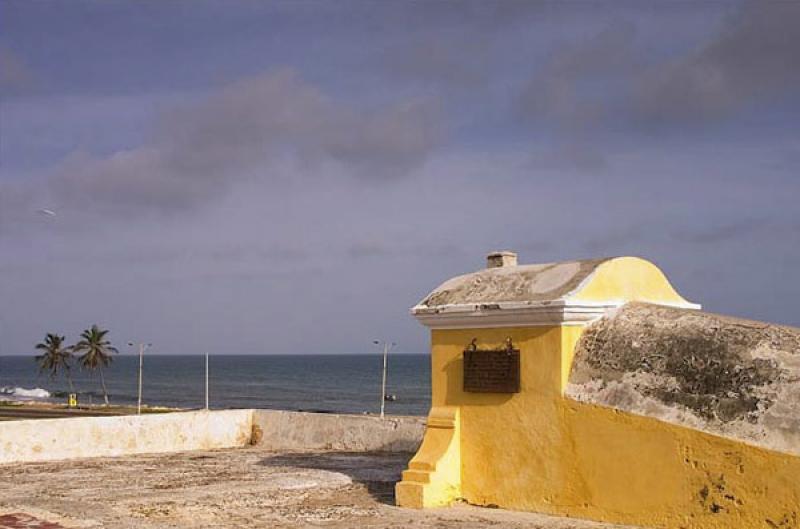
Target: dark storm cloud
[[571, 88], [592, 90], [201, 149], [752, 59], [607, 80], [578, 90]]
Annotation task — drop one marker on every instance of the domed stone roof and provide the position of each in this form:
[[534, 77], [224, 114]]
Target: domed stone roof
[[539, 294]]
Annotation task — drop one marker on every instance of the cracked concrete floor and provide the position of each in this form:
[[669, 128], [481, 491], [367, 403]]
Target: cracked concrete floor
[[237, 488]]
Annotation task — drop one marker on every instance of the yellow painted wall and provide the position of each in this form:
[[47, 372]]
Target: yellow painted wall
[[628, 279], [433, 478], [538, 451]]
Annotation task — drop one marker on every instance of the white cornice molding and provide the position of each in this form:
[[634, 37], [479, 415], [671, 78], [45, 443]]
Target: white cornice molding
[[519, 314]]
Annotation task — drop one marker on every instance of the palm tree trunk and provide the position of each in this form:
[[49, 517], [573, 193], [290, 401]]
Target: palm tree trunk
[[103, 383]]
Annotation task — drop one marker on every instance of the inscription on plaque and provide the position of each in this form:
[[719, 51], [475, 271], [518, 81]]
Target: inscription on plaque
[[491, 370]]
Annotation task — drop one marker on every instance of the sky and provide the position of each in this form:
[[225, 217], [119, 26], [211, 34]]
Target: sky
[[292, 176]]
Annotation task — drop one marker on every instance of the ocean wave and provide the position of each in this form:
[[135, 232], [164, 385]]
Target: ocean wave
[[24, 393]]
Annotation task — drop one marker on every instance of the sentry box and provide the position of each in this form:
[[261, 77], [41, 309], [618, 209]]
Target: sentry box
[[592, 389]]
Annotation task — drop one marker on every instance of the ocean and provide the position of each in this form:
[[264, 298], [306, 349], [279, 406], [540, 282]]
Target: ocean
[[324, 383]]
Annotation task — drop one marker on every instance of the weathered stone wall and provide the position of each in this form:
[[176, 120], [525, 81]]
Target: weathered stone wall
[[287, 430], [83, 437], [55, 439], [723, 375]]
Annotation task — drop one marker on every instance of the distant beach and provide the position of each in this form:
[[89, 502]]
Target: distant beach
[[325, 383]]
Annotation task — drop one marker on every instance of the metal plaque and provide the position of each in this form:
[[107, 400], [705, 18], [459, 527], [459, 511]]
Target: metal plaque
[[491, 371]]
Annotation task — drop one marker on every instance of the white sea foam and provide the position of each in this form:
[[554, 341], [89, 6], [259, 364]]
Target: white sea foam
[[24, 393]]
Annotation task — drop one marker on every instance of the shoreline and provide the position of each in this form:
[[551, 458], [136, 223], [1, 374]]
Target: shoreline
[[31, 409], [37, 409]]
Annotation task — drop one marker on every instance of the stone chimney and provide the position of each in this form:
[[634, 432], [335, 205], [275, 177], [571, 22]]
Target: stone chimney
[[501, 259]]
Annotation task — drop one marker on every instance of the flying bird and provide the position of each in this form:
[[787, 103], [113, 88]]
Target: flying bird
[[48, 212]]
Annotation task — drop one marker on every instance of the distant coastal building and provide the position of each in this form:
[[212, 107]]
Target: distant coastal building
[[592, 389]]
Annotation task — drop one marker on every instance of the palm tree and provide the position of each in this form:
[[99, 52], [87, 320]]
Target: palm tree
[[96, 353], [55, 357]]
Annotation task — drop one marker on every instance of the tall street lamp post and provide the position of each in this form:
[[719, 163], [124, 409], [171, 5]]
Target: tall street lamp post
[[142, 348], [387, 346]]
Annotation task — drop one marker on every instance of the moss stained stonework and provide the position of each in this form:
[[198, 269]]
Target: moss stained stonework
[[723, 375]]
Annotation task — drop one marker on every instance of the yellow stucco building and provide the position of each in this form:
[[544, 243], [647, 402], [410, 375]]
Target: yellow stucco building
[[592, 389]]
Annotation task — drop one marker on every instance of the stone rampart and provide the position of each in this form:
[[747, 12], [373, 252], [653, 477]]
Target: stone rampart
[[86, 437], [79, 437], [286, 430]]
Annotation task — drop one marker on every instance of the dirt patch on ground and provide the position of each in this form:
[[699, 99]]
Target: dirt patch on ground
[[239, 488]]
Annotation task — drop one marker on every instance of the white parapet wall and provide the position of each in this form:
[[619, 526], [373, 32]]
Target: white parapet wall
[[85, 437], [290, 430], [55, 439]]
